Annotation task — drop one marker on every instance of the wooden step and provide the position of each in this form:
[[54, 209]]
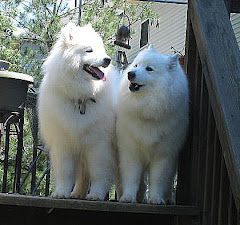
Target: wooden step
[[106, 206]]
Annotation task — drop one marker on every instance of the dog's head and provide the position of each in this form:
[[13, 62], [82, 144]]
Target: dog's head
[[150, 69], [84, 50]]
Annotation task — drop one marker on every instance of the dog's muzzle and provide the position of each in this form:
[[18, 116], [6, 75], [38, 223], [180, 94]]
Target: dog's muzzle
[[133, 87], [95, 71]]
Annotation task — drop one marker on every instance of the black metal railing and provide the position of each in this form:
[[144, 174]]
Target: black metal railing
[[19, 172]]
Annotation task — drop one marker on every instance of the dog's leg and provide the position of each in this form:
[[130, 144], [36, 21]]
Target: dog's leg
[[63, 170], [131, 167], [82, 181], [162, 171], [100, 164]]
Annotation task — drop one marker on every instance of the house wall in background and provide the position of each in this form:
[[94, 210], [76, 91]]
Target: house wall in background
[[171, 30], [235, 20]]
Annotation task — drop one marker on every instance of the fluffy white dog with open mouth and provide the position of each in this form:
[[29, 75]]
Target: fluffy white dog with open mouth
[[152, 120], [76, 116]]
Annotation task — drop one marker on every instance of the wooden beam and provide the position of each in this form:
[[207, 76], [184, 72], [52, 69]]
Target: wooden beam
[[234, 6], [121, 44], [107, 206], [220, 58]]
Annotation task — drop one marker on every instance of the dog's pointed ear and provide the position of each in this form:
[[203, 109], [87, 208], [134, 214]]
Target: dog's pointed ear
[[67, 32], [173, 61], [151, 47]]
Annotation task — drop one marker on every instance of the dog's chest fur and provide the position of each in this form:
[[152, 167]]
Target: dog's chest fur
[[147, 133]]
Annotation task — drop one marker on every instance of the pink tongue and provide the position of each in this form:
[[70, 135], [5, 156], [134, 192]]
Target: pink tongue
[[99, 73]]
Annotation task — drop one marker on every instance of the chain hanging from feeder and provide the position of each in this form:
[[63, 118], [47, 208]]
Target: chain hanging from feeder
[[79, 12], [122, 40]]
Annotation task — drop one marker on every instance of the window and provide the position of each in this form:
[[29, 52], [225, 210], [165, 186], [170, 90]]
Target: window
[[144, 33]]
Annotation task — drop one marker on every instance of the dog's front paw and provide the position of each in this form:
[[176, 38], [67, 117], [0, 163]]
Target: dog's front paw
[[60, 194], [76, 195], [161, 200], [95, 196], [128, 198], [157, 201]]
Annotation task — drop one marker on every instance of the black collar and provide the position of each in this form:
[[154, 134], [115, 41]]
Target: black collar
[[82, 104]]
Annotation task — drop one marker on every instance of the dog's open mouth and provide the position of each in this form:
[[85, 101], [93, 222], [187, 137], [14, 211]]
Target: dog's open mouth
[[95, 72], [134, 87]]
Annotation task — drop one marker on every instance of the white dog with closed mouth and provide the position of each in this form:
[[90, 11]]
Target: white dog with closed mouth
[[152, 121], [76, 118]]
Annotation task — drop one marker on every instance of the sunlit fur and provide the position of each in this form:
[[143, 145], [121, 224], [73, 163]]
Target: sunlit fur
[[80, 144]]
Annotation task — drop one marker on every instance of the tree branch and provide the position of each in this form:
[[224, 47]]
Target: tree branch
[[59, 6]]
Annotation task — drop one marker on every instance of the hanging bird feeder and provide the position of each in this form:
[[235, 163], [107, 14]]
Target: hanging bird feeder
[[123, 33]]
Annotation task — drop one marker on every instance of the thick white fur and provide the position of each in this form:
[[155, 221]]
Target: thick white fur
[[151, 125], [80, 144]]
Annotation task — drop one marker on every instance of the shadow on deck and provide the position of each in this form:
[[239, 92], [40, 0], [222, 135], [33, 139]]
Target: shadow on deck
[[33, 210]]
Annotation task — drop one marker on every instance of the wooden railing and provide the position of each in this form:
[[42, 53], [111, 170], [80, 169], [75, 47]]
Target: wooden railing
[[209, 167]]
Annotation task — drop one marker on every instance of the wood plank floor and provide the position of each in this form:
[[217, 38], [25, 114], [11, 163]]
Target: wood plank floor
[[107, 206]]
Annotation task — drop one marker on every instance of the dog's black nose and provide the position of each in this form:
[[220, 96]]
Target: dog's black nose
[[131, 75], [106, 62]]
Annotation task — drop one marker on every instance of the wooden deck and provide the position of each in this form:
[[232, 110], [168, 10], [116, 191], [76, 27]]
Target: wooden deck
[[105, 206]]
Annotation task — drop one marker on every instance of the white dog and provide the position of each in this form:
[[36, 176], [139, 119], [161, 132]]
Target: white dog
[[76, 117], [152, 120]]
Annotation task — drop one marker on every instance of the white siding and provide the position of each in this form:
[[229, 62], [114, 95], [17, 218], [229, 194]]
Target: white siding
[[235, 19], [171, 31]]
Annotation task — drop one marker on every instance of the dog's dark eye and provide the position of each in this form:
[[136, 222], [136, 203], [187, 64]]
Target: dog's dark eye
[[148, 68], [135, 66], [89, 50]]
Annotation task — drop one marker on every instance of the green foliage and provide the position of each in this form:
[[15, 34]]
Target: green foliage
[[7, 50], [21, 61], [42, 20]]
